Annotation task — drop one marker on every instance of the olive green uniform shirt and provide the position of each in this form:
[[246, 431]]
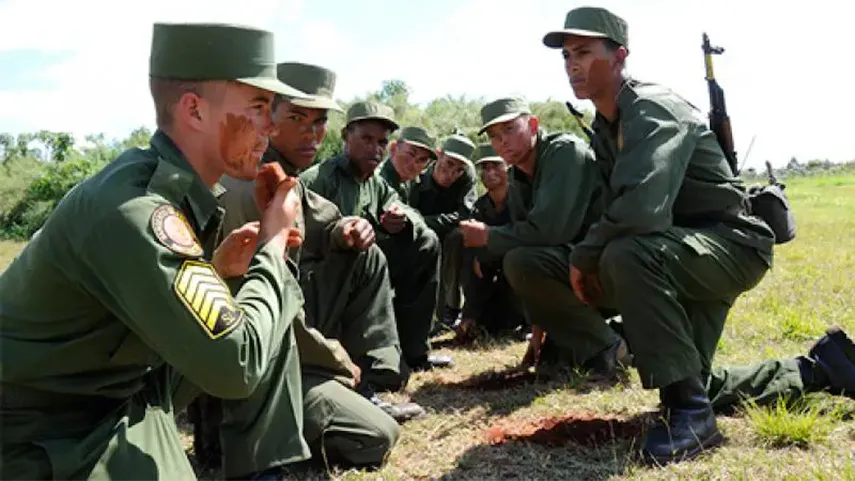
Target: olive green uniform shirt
[[443, 207], [660, 167], [92, 303], [555, 206], [335, 180]]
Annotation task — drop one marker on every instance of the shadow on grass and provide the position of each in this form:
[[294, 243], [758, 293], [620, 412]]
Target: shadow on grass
[[500, 392], [578, 446]]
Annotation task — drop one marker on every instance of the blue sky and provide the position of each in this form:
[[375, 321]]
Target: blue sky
[[81, 66]]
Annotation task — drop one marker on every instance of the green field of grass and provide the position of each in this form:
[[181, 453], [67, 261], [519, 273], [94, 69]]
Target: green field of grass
[[809, 289]]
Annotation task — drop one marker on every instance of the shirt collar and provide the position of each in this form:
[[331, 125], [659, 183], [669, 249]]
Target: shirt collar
[[199, 197]]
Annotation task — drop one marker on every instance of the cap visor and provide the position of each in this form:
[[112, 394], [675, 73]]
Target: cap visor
[[500, 119], [423, 146], [275, 86], [556, 39], [394, 125], [490, 159], [459, 157], [318, 103]]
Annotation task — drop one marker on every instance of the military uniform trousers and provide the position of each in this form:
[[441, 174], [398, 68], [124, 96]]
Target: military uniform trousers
[[413, 256], [91, 437], [674, 291], [488, 300], [540, 277], [450, 288], [342, 427], [348, 297]]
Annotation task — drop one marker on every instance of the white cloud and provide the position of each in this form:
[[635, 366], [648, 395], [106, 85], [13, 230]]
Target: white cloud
[[783, 71]]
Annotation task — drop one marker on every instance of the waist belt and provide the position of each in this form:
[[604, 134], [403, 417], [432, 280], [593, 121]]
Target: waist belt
[[710, 219], [21, 397]]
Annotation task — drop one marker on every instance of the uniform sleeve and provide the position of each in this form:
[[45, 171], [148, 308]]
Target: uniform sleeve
[[559, 206], [181, 309], [647, 176], [446, 222]]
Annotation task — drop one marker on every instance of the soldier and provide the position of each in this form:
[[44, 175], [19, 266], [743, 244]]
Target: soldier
[[345, 281], [352, 183], [489, 300], [444, 195], [675, 247], [552, 184], [409, 155], [116, 314]]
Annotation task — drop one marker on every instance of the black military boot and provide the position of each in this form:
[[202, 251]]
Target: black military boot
[[687, 426], [400, 412], [610, 364], [833, 364]]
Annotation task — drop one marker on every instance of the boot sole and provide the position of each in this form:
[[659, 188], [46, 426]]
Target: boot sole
[[711, 442]]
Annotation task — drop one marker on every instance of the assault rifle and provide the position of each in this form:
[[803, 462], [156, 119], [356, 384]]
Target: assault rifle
[[768, 202], [719, 121]]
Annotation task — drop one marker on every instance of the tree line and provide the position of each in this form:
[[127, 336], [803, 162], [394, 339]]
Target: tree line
[[37, 169]]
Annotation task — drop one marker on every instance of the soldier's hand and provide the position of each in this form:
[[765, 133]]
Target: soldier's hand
[[358, 234], [280, 217], [394, 220], [474, 233], [585, 286], [232, 257], [532, 352], [356, 372], [476, 268]]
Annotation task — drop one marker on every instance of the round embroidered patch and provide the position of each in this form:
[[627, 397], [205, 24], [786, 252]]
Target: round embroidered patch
[[172, 230]]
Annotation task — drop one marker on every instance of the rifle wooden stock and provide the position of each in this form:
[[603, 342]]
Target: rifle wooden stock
[[725, 139]]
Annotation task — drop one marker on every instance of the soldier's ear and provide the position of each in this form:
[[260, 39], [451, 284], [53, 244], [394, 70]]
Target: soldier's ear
[[533, 124], [620, 55], [190, 110]]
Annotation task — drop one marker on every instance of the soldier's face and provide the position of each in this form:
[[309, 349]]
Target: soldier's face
[[590, 66], [409, 160], [513, 140], [241, 124], [447, 170], [494, 175], [300, 132], [366, 143]]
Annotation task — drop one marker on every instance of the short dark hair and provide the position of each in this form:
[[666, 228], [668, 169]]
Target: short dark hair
[[611, 45], [166, 93]]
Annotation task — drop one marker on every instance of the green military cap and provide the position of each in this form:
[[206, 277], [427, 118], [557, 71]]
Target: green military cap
[[502, 110], [459, 147], [216, 51], [590, 22], [372, 111], [420, 138], [317, 82], [485, 153]]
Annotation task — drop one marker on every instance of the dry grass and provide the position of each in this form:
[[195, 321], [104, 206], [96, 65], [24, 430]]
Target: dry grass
[[809, 289]]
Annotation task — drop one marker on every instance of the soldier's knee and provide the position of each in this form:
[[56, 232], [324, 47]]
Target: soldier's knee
[[519, 267], [373, 259], [622, 258], [375, 450], [387, 433]]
